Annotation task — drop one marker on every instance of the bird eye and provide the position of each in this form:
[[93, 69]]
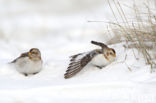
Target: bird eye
[[111, 53], [34, 53]]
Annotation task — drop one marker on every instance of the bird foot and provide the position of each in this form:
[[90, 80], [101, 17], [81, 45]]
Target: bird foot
[[99, 67], [35, 73], [25, 74]]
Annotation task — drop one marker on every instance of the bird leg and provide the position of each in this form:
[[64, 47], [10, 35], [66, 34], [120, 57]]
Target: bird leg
[[35, 73], [98, 66], [25, 74]]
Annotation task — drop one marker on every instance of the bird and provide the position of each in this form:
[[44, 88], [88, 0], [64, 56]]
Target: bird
[[29, 63], [98, 58]]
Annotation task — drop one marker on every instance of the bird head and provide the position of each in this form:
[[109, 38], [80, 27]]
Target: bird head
[[34, 54], [109, 54]]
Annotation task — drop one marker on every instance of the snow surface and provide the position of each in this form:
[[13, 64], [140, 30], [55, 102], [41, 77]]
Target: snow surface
[[58, 37]]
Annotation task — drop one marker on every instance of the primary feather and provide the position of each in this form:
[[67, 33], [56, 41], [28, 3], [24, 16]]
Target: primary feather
[[79, 61]]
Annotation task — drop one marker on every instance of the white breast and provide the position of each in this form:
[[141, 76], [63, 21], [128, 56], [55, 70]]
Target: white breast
[[25, 65], [99, 60]]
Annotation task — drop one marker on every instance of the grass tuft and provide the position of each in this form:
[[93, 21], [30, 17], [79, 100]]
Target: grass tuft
[[140, 34]]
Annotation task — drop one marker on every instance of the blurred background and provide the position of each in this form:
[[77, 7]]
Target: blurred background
[[32, 19], [62, 24]]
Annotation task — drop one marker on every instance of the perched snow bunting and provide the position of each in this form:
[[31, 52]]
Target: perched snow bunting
[[97, 57], [29, 62]]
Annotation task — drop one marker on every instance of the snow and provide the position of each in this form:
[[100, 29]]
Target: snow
[[114, 83], [59, 37]]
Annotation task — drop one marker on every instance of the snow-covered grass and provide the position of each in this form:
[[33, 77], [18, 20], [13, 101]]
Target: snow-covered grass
[[126, 80]]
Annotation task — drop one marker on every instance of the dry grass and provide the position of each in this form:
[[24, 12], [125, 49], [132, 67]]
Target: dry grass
[[140, 34]]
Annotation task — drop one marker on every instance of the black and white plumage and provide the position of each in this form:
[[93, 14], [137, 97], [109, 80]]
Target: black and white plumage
[[97, 57], [29, 62]]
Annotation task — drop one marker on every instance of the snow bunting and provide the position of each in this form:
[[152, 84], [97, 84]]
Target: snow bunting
[[29, 62], [98, 58]]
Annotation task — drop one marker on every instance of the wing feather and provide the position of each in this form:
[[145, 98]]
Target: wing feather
[[21, 56], [79, 61]]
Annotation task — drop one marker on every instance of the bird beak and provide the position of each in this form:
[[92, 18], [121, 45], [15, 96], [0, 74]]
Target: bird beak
[[114, 55]]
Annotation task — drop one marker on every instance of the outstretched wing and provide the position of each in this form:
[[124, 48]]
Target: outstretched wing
[[21, 56], [79, 61]]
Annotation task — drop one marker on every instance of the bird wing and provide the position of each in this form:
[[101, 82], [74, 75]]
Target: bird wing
[[99, 44], [21, 56], [79, 61]]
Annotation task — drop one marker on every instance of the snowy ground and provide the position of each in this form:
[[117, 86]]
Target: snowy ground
[[113, 84], [65, 36]]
